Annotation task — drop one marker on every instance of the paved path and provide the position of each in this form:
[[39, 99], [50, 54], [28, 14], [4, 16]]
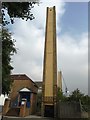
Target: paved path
[[39, 118], [31, 117]]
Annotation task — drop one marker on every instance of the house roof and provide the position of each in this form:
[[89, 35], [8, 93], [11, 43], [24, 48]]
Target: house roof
[[25, 90], [22, 77]]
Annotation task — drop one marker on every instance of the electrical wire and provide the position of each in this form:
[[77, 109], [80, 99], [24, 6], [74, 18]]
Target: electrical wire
[[66, 89]]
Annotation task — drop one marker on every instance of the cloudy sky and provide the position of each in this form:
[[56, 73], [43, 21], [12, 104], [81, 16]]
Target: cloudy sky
[[72, 43]]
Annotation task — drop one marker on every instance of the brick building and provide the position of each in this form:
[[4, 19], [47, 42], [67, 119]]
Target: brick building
[[23, 88]]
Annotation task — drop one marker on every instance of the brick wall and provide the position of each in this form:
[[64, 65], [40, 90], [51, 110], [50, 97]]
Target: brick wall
[[19, 84]]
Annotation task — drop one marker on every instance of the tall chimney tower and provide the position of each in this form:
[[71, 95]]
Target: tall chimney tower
[[59, 83], [50, 66]]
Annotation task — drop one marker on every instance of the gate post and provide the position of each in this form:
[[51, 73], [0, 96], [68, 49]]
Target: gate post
[[23, 108]]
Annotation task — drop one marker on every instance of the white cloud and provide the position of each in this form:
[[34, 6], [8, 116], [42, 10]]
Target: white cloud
[[72, 55], [73, 60], [30, 38]]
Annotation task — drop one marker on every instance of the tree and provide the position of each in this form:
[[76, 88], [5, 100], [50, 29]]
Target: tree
[[17, 10], [76, 95], [86, 102], [60, 95], [8, 49]]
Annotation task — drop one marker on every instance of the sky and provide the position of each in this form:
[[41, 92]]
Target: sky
[[72, 43]]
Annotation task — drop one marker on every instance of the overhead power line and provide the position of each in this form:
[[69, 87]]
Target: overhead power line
[[66, 89]]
